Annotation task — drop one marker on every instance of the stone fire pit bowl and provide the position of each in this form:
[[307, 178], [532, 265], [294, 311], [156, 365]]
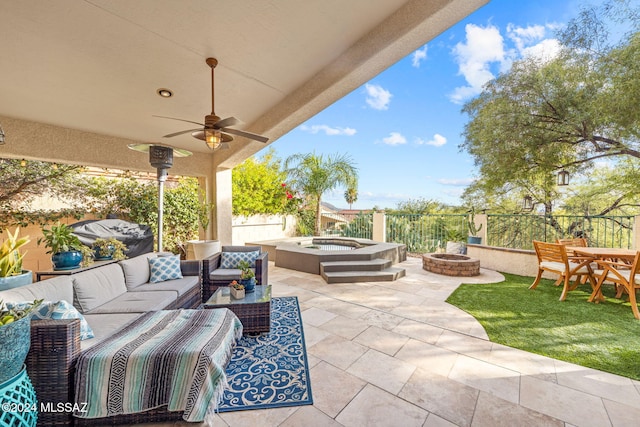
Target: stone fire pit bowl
[[451, 264]]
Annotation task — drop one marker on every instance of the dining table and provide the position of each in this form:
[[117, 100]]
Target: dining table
[[613, 254]]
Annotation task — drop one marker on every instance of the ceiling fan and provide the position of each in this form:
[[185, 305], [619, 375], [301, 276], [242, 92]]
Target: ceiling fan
[[215, 131]]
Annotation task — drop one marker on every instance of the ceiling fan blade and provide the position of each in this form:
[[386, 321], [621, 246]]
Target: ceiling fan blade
[[180, 120], [229, 121], [246, 134], [182, 132]]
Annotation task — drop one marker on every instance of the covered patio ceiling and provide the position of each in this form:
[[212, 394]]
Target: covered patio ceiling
[[78, 78]]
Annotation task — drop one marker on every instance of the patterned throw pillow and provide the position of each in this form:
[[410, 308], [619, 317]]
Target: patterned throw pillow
[[57, 310], [232, 259], [165, 268]]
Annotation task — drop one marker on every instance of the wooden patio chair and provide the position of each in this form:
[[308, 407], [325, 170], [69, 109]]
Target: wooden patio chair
[[553, 257], [626, 280], [578, 242]]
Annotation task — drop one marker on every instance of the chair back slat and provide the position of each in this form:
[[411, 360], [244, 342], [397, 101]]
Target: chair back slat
[[554, 252], [576, 241]]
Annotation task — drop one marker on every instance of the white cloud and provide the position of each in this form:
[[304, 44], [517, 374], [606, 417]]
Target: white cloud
[[437, 141], [419, 56], [378, 98], [394, 138], [455, 182], [545, 51], [524, 36], [328, 130], [483, 46], [530, 41]]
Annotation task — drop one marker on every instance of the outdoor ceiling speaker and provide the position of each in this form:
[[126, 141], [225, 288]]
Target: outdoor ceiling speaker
[[161, 157]]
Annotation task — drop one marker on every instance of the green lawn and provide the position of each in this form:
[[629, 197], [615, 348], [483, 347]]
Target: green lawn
[[603, 336]]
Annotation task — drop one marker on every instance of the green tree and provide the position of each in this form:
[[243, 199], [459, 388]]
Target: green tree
[[351, 196], [314, 175], [259, 187], [23, 180], [563, 113]]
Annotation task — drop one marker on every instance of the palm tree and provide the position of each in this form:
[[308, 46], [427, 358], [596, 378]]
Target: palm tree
[[351, 196], [315, 174]]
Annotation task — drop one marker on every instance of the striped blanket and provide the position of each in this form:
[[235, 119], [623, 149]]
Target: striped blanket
[[175, 358]]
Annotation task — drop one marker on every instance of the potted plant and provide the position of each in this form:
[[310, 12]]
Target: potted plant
[[237, 290], [106, 249], [456, 241], [65, 247], [473, 229], [15, 338], [11, 273], [247, 277]]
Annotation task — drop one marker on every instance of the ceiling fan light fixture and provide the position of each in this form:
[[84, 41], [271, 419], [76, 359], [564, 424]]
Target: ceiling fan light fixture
[[213, 138]]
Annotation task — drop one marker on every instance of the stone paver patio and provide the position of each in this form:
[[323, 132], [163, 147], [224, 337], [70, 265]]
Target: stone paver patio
[[396, 354]]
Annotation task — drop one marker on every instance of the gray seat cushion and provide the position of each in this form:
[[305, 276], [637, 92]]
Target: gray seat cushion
[[181, 286], [138, 302], [54, 289], [104, 325], [226, 274], [96, 287], [136, 270]]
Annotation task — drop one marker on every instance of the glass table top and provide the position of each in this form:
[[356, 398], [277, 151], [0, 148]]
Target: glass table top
[[222, 296]]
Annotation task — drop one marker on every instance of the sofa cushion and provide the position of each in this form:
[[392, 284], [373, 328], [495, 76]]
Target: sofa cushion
[[57, 310], [225, 274], [136, 270], [104, 325], [138, 302], [181, 286], [54, 289], [96, 287], [232, 259], [165, 268]]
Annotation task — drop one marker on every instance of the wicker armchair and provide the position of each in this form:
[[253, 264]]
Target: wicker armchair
[[212, 281]]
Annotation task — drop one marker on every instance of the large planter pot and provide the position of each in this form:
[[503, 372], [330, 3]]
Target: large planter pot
[[249, 284], [474, 240], [204, 248], [104, 254], [15, 281], [15, 339], [456, 248], [66, 260]]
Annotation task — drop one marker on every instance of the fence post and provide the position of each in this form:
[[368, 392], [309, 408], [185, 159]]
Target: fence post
[[379, 227], [635, 241], [482, 221]]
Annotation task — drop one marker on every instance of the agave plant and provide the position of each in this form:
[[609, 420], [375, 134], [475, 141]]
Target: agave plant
[[10, 256]]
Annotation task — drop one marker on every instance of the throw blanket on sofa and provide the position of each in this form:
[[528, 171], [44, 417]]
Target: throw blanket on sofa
[[175, 358]]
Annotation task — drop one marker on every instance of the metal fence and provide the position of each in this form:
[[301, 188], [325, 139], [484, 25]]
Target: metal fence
[[518, 231], [426, 233]]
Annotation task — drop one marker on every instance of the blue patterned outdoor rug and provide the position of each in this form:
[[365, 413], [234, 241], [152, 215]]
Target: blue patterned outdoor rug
[[270, 370]]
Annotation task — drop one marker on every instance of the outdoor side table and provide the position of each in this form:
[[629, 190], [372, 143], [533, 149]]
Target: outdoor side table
[[95, 264], [254, 310]]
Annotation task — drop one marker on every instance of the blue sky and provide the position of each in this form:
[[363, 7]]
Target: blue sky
[[403, 127]]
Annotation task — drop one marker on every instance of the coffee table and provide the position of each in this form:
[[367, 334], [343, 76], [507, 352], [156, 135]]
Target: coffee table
[[254, 310]]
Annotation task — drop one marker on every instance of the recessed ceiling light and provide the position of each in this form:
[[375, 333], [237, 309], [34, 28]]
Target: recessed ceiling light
[[165, 93]]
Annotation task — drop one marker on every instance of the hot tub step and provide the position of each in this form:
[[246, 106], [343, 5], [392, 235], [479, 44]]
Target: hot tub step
[[386, 275], [377, 264]]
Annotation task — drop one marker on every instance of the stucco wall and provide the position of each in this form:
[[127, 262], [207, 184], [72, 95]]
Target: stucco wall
[[514, 261], [262, 227]]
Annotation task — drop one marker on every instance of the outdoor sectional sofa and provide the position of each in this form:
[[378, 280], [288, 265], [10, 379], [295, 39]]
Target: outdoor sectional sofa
[[109, 297]]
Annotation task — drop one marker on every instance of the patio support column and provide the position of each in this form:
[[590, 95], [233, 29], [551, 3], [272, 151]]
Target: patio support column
[[379, 227], [222, 197]]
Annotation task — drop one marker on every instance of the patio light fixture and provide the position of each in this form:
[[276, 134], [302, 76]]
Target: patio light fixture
[[1, 136], [563, 178], [527, 203], [213, 138]]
